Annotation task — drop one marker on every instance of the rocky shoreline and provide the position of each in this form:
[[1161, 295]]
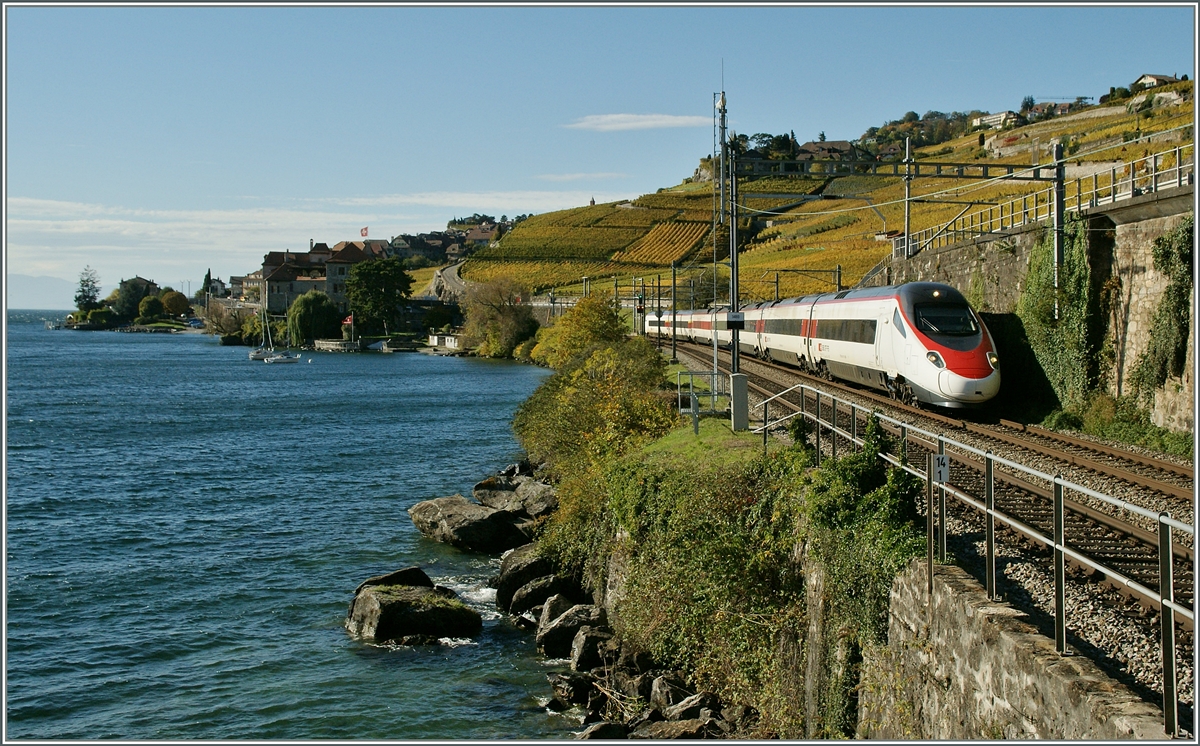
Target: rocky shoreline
[[615, 691]]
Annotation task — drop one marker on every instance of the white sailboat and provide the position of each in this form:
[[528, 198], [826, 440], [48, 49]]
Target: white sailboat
[[283, 356], [264, 350]]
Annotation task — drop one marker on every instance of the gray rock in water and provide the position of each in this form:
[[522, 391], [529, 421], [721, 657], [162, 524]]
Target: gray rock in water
[[518, 567], [459, 522], [535, 593], [603, 731], [571, 688], [394, 612], [554, 639], [585, 648], [552, 609], [408, 576]]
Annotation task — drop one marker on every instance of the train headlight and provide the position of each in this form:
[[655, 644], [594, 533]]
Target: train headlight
[[993, 360], [935, 358]]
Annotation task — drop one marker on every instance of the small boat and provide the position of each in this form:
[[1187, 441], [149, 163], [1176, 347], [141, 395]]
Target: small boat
[[261, 353], [283, 357], [266, 349]]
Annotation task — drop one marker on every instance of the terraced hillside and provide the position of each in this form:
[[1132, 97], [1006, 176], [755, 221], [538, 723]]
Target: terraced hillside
[[803, 227]]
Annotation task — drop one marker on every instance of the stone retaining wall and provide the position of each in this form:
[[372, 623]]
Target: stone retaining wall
[[983, 671]]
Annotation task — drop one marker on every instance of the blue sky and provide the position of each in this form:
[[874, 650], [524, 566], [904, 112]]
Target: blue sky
[[164, 141]]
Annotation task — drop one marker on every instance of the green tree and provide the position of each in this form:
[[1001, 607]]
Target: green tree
[[203, 291], [174, 303], [313, 316], [593, 320], [496, 320], [129, 295], [375, 290], [87, 298], [150, 307]]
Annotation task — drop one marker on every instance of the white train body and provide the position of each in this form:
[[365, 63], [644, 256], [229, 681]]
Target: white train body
[[920, 341]]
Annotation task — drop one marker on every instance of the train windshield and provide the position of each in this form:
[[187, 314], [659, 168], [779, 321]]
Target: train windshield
[[939, 318]]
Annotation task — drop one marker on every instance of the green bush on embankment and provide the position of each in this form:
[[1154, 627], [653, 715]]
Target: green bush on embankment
[[717, 545]]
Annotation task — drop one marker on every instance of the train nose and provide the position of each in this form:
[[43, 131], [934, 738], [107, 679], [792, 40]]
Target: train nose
[[967, 389]]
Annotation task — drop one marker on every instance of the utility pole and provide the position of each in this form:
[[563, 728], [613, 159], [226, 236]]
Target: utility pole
[[1060, 209], [734, 325], [720, 221], [907, 194], [674, 312]]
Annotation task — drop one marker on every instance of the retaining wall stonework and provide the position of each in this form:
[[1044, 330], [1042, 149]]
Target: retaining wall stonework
[[982, 671], [1139, 289], [990, 271]]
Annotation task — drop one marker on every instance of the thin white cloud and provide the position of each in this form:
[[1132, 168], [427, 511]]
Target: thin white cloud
[[581, 177], [615, 122], [57, 238], [510, 202]]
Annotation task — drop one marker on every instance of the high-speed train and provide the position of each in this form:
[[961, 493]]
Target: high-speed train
[[920, 341]]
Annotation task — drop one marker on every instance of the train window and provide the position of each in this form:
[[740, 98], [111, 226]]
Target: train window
[[899, 323], [939, 318]]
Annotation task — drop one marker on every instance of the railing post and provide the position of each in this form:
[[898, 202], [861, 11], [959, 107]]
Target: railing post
[[1179, 166], [818, 420], [853, 427], [1154, 172], [941, 507], [990, 542], [904, 444], [1060, 571], [833, 430], [1166, 592], [766, 422]]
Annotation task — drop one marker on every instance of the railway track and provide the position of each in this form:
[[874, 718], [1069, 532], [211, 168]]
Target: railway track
[[1104, 536]]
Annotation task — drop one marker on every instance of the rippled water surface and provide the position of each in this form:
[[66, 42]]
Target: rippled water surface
[[185, 529]]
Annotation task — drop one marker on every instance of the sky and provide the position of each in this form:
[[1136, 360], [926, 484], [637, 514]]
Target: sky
[[166, 141]]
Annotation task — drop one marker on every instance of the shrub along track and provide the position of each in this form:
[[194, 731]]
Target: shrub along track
[[1114, 538]]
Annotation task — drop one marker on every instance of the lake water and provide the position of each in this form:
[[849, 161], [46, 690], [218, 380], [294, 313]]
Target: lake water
[[185, 529]]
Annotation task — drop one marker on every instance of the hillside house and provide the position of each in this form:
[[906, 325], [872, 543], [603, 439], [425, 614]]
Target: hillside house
[[829, 150], [1150, 81], [998, 121], [483, 235]]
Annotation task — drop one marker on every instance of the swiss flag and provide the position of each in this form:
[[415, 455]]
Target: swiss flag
[[363, 232], [349, 319]]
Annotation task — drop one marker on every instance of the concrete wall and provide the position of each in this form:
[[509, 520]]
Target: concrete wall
[[983, 671]]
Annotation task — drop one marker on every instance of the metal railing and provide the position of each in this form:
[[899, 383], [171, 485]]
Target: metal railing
[[716, 385], [1165, 169], [1172, 610]]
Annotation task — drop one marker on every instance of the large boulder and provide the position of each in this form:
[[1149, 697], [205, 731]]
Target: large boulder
[[603, 731], [407, 576], [535, 592], [554, 639], [667, 730], [692, 707], [571, 688], [496, 491], [586, 652], [537, 498], [666, 691], [518, 567], [410, 612], [460, 522], [520, 495]]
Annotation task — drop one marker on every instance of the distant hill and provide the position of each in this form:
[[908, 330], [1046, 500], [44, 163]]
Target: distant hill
[[43, 293], [800, 228]]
